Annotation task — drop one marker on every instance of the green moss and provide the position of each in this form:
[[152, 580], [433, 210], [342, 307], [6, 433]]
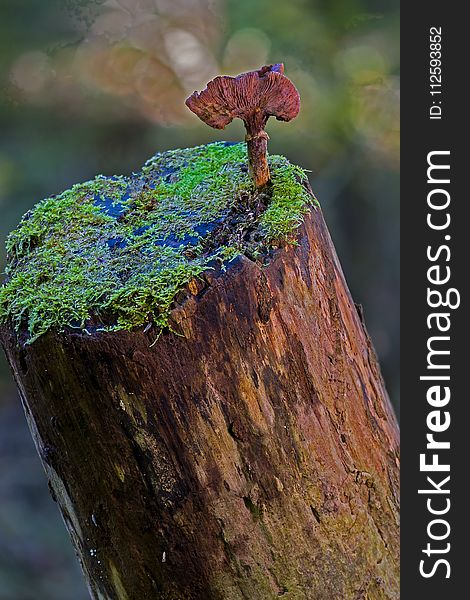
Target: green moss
[[288, 204], [112, 253]]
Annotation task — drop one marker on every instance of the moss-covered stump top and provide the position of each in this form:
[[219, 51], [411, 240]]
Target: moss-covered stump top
[[113, 252]]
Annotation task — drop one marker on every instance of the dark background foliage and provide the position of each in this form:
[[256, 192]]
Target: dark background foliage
[[94, 86]]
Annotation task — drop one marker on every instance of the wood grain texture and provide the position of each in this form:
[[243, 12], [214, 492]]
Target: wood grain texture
[[252, 456]]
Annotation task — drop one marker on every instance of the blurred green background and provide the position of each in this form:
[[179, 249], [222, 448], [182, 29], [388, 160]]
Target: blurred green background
[[93, 86]]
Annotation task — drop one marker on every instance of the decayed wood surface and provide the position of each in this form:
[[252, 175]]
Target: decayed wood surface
[[254, 456]]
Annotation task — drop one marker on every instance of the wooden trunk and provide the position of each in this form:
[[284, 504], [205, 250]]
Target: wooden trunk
[[253, 454]]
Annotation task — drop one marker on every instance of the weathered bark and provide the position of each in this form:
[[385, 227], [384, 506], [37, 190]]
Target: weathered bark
[[253, 456]]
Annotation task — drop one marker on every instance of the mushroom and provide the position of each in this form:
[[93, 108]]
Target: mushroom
[[253, 97]]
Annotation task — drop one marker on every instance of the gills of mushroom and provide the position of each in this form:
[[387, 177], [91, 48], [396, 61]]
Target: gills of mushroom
[[253, 97]]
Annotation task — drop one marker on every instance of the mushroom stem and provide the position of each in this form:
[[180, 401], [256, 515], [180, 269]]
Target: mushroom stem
[[257, 145]]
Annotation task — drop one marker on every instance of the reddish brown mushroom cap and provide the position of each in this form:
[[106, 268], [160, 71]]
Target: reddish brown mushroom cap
[[253, 97]]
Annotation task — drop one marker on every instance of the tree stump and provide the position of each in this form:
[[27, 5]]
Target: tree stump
[[250, 452]]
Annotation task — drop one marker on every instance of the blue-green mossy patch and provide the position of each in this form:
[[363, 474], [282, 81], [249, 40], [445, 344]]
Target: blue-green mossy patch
[[112, 253]]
